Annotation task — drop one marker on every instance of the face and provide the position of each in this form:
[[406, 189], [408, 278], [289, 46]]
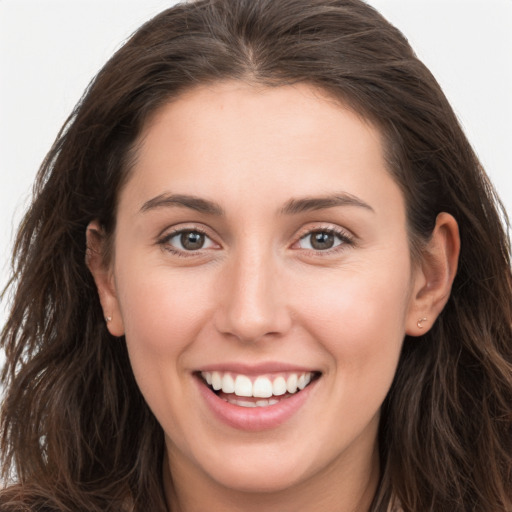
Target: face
[[261, 249]]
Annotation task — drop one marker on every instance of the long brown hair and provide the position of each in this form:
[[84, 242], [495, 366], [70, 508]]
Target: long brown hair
[[76, 434]]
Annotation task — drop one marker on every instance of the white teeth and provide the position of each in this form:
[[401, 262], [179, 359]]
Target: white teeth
[[266, 403], [243, 386], [245, 403], [279, 386], [216, 381], [291, 383], [304, 380], [241, 403], [262, 387], [228, 384]]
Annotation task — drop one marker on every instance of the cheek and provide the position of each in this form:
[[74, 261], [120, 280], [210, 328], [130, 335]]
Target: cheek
[[163, 312], [361, 324], [160, 308], [359, 317]]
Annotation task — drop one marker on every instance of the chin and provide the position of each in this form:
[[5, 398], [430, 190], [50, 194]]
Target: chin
[[265, 480]]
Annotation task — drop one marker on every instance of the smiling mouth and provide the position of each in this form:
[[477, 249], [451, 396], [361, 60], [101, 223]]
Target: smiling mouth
[[257, 391]]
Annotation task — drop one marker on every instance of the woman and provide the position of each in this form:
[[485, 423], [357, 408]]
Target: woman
[[263, 270]]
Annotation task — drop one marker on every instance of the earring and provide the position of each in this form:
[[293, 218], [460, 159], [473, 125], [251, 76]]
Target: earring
[[108, 319], [420, 321]]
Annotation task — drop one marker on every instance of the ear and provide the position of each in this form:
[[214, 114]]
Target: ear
[[103, 277], [434, 276]]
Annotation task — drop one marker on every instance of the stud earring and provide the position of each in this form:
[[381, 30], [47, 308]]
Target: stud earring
[[108, 319], [420, 322]]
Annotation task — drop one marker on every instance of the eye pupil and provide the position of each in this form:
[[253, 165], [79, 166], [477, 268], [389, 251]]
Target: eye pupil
[[192, 240], [322, 240]]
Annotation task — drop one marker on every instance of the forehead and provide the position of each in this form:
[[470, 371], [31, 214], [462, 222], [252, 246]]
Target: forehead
[[274, 105], [230, 137]]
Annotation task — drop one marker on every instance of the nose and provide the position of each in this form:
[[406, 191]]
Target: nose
[[251, 301]]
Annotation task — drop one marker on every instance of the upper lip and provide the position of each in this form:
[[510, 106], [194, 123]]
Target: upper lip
[[255, 369]]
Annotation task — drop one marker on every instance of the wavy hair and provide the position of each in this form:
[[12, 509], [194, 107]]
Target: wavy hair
[[76, 434]]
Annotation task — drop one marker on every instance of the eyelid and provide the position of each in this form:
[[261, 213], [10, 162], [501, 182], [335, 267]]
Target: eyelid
[[345, 235], [325, 226], [170, 232]]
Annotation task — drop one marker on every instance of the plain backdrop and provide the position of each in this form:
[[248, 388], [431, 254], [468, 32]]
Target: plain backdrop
[[50, 50]]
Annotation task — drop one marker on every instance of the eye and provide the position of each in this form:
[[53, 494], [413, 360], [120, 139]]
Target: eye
[[322, 240], [188, 240]]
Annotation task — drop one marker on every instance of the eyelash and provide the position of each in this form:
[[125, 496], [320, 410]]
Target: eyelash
[[344, 238], [164, 242]]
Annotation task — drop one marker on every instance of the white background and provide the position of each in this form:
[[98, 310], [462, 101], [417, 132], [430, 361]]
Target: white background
[[50, 49]]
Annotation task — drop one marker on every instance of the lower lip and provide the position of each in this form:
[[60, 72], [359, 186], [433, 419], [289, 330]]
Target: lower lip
[[255, 418]]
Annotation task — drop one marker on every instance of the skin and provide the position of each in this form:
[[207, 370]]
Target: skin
[[257, 292]]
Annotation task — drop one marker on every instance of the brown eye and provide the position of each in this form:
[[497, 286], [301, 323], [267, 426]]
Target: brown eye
[[192, 240], [322, 240], [187, 240]]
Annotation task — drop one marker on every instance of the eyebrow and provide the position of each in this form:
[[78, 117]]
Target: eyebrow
[[185, 201], [306, 204], [292, 207]]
